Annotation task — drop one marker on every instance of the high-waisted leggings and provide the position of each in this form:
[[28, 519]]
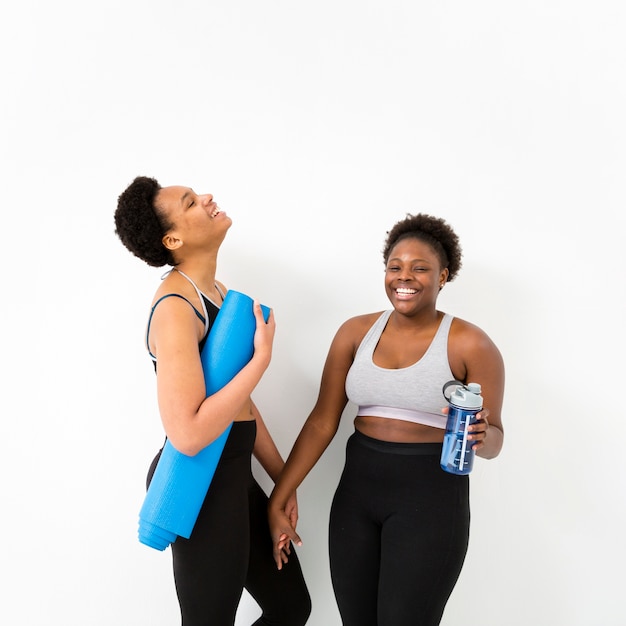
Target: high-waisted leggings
[[399, 530], [230, 549]]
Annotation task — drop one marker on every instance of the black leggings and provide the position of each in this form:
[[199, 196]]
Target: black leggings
[[399, 530], [230, 548]]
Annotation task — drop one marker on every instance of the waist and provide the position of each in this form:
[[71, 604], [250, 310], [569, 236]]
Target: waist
[[240, 440], [395, 447]]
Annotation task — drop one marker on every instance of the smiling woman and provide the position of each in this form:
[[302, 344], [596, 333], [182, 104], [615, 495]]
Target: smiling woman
[[230, 546], [399, 524]]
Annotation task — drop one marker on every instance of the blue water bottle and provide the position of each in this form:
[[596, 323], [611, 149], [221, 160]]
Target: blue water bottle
[[457, 456]]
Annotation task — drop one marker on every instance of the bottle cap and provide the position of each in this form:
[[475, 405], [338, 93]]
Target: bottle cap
[[467, 396]]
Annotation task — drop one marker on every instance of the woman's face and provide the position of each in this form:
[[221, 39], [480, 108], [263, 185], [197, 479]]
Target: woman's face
[[195, 218], [413, 276]]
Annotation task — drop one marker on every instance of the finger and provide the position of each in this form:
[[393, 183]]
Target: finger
[[479, 427], [278, 558], [287, 531], [296, 538], [293, 519], [284, 544], [281, 554], [258, 311]]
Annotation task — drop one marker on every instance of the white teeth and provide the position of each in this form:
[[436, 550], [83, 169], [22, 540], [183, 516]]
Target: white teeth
[[405, 290]]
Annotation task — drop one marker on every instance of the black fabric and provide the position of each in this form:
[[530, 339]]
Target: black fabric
[[399, 531], [212, 312], [230, 548]]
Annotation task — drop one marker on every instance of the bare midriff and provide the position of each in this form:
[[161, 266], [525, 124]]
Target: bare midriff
[[397, 431], [245, 415]]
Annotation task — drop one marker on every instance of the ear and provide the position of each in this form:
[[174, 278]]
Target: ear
[[443, 277], [171, 242]]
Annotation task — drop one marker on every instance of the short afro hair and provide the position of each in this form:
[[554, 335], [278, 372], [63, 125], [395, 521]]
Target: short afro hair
[[431, 230], [140, 225]]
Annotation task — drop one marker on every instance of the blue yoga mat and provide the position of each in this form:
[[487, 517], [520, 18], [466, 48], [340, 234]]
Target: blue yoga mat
[[180, 482]]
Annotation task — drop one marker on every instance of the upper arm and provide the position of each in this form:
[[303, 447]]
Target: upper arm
[[474, 358], [332, 398], [180, 379]]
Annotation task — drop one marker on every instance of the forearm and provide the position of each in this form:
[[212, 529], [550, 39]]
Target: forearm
[[265, 450], [190, 430], [308, 448]]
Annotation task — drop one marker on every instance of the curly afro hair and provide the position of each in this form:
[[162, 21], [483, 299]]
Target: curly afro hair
[[431, 230], [140, 225]]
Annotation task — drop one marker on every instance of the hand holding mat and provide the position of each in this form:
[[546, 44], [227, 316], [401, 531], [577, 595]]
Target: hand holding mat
[[180, 482]]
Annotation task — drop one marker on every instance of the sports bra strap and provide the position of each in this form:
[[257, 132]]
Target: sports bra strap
[[169, 295], [201, 298]]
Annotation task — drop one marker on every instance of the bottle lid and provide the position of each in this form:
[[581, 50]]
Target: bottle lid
[[467, 396]]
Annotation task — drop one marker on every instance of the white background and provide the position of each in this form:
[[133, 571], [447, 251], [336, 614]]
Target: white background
[[316, 126]]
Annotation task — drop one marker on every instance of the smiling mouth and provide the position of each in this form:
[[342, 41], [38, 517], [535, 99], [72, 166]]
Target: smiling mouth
[[405, 291], [216, 211]]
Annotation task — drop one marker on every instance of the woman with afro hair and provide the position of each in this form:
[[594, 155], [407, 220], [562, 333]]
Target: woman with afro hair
[[230, 547], [399, 524]]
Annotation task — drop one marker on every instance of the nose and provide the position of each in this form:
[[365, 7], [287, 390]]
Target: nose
[[206, 198], [404, 274]]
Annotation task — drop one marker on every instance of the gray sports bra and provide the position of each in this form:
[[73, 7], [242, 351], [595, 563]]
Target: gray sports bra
[[413, 393]]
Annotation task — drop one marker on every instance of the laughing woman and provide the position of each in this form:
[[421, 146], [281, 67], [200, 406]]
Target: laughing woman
[[230, 547], [399, 524]]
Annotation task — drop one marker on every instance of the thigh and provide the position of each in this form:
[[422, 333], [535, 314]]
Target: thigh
[[354, 545], [210, 566], [423, 548], [281, 594]]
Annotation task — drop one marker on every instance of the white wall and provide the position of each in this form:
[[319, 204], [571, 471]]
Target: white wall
[[316, 126]]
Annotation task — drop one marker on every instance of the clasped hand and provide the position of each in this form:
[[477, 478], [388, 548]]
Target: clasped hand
[[282, 522]]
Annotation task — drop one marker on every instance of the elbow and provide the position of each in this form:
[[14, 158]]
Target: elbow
[[492, 448], [324, 430], [185, 443], [185, 434], [488, 454], [192, 450], [192, 443], [185, 447]]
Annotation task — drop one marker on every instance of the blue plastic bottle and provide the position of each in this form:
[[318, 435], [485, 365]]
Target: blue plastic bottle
[[457, 456]]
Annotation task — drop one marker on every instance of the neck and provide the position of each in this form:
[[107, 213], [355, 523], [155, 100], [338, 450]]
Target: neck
[[201, 270], [419, 320]]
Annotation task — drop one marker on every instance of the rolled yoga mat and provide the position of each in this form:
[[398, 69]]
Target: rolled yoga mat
[[180, 482]]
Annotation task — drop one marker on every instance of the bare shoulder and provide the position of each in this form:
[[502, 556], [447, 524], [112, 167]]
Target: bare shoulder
[[341, 354], [174, 319], [469, 343], [357, 327], [466, 332], [173, 283], [352, 331]]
